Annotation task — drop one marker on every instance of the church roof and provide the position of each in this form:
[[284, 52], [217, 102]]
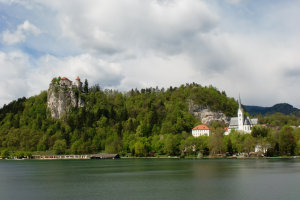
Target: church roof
[[254, 121], [247, 121], [77, 79], [65, 78], [234, 121], [201, 127]]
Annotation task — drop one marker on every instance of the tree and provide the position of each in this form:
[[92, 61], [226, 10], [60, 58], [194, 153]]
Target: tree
[[139, 148], [259, 131], [86, 86], [248, 144], [216, 142], [4, 153], [287, 141], [60, 146]]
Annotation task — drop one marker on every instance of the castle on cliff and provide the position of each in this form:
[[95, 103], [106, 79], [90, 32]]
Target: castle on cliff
[[64, 81]]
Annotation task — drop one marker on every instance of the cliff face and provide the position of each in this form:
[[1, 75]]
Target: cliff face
[[206, 115], [61, 99]]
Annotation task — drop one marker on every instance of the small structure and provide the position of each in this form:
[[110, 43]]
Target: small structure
[[201, 130], [104, 156], [64, 81], [78, 83], [261, 148], [241, 122]]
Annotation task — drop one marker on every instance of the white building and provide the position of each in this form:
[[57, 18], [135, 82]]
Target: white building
[[241, 122], [200, 130]]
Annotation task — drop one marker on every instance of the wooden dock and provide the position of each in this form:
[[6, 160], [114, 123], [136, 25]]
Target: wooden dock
[[69, 157]]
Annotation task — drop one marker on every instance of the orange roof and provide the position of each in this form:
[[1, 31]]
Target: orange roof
[[65, 78], [201, 127], [226, 128], [78, 79]]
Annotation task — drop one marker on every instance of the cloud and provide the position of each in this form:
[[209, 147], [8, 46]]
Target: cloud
[[14, 68], [19, 35], [85, 66], [246, 47], [111, 27]]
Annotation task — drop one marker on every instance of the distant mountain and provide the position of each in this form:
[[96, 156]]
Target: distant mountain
[[284, 108]]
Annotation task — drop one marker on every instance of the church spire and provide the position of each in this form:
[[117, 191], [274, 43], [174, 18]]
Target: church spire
[[240, 103], [240, 115]]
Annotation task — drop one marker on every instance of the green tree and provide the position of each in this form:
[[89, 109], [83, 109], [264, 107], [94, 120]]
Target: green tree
[[60, 146], [4, 153], [139, 148], [216, 142], [86, 86], [249, 144], [287, 141]]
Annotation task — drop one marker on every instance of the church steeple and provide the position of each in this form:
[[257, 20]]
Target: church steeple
[[240, 115]]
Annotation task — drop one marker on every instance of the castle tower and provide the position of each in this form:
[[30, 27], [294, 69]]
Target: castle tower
[[78, 83], [240, 116]]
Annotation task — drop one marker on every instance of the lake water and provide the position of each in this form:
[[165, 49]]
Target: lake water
[[267, 179]]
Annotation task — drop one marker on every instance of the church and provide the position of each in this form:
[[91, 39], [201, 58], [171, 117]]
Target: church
[[241, 122]]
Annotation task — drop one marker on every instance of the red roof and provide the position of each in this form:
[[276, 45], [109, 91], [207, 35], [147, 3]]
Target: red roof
[[226, 128], [201, 127], [65, 78], [77, 79]]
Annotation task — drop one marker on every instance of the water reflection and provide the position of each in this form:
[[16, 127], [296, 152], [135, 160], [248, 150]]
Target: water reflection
[[150, 179]]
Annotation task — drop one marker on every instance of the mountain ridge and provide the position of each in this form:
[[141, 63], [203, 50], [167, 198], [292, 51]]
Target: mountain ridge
[[283, 108]]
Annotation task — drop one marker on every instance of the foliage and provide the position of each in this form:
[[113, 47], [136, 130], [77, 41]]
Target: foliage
[[4, 153], [144, 122], [59, 146]]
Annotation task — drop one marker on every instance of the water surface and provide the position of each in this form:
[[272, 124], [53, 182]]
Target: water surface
[[151, 179]]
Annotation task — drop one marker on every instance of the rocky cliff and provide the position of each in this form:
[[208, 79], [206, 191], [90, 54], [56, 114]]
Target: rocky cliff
[[206, 115], [61, 99]]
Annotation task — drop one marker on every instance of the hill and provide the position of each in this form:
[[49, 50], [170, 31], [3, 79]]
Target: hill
[[110, 121], [283, 108]]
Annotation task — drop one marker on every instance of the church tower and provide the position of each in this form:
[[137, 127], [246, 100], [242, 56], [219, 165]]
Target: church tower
[[240, 116], [78, 83]]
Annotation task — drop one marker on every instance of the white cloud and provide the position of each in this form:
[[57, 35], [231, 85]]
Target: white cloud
[[110, 27], [14, 67], [85, 66], [19, 35], [250, 49]]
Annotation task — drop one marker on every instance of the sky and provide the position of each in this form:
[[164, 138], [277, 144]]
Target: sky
[[245, 47]]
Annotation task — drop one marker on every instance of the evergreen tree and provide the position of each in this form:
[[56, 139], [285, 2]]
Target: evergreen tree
[[86, 86]]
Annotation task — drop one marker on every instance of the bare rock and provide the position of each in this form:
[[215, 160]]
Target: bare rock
[[206, 115], [61, 99]]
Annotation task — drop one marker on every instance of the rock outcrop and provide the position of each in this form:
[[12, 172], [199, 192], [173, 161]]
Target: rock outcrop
[[206, 115], [61, 99]]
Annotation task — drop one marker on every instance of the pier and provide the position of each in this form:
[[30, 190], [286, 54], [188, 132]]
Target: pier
[[66, 157]]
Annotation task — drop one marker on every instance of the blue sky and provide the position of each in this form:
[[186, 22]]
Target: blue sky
[[239, 46]]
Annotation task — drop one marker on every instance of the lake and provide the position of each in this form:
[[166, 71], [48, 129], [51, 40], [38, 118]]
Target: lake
[[226, 179]]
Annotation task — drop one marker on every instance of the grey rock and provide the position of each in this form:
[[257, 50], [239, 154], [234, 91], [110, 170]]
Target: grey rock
[[206, 115], [61, 99]]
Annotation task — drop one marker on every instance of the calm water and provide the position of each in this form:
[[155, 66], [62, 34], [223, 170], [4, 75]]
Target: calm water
[[151, 179]]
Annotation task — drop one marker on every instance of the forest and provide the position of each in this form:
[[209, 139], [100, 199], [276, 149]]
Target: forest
[[146, 122]]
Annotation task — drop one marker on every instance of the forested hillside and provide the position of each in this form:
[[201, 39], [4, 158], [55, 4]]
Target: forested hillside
[[142, 122], [111, 121]]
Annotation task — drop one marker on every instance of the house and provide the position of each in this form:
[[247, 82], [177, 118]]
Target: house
[[261, 148], [241, 122], [201, 130], [64, 81]]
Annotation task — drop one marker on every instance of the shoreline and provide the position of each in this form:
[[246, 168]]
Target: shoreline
[[116, 156]]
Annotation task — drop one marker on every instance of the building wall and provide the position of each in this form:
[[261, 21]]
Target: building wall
[[197, 133]]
